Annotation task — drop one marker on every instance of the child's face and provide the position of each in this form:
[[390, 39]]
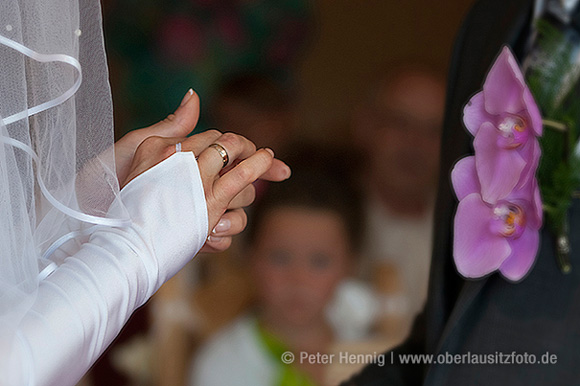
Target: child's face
[[299, 257]]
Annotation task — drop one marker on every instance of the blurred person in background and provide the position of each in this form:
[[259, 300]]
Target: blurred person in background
[[154, 49], [263, 107], [398, 132], [164, 333], [539, 313], [301, 247], [257, 105]]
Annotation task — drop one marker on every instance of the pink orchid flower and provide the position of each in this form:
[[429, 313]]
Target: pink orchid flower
[[502, 235], [505, 121]]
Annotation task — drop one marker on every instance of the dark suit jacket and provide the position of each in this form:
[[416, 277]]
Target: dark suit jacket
[[539, 315]]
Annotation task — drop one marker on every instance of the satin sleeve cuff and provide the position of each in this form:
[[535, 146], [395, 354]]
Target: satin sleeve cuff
[[84, 303]]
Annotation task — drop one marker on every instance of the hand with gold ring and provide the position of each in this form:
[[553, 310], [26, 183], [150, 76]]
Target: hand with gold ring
[[228, 165], [179, 124]]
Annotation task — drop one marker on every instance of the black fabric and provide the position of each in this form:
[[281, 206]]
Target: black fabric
[[539, 315]]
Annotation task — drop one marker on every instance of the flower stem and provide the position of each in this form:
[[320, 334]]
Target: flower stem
[[548, 208], [555, 125]]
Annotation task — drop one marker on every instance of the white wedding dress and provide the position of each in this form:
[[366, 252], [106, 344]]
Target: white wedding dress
[[77, 256], [83, 304]]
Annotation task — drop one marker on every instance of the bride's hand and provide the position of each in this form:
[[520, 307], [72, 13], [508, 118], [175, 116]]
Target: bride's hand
[[227, 190], [178, 124]]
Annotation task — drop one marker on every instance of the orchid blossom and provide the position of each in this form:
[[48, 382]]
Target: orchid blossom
[[505, 121], [494, 236], [500, 211]]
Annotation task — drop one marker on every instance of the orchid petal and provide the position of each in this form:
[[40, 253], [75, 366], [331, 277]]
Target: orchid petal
[[533, 111], [529, 194], [476, 250], [499, 169], [474, 114], [464, 178], [504, 85], [525, 249], [531, 153]]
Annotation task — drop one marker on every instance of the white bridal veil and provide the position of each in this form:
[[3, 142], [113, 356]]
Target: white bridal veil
[[57, 171]]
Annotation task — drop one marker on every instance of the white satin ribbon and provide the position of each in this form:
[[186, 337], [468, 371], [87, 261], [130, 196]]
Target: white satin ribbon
[[44, 58], [113, 222]]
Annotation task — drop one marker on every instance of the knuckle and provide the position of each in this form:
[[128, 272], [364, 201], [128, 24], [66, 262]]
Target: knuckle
[[230, 139], [238, 143], [213, 133], [252, 146], [157, 145], [174, 121], [170, 118], [152, 142], [244, 172]]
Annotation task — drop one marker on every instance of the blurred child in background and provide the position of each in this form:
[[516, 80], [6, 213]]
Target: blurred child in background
[[301, 245]]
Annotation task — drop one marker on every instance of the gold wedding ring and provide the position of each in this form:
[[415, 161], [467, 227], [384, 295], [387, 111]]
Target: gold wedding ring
[[222, 151]]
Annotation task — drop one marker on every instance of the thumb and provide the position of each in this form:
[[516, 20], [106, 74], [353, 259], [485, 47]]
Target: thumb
[[179, 124], [183, 121]]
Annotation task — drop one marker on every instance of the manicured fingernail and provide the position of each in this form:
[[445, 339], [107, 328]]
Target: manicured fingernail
[[214, 239], [222, 226], [187, 97], [270, 151]]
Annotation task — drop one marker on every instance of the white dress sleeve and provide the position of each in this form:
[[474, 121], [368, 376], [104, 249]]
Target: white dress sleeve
[[84, 303]]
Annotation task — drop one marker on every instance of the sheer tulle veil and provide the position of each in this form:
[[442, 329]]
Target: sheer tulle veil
[[57, 170]]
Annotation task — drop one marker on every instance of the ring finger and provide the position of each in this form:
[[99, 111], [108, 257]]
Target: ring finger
[[235, 146], [199, 142]]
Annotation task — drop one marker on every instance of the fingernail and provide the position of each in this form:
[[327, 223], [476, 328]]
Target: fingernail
[[214, 239], [187, 97], [270, 151], [287, 172], [222, 226]]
